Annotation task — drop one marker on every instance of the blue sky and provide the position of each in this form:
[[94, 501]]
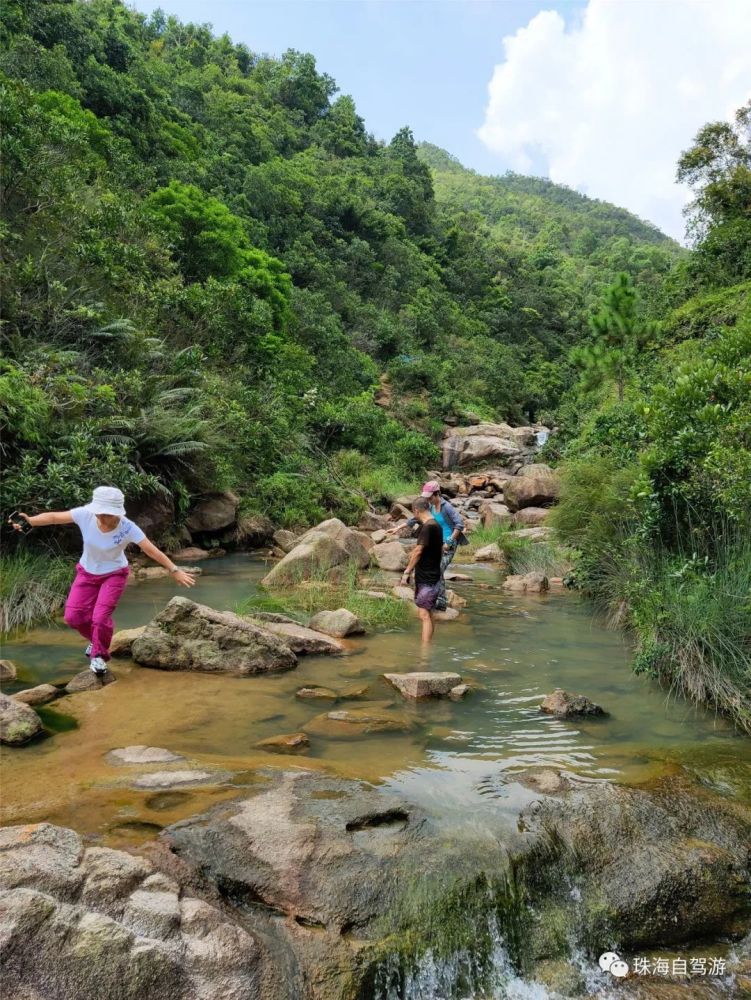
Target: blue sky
[[422, 63], [600, 95]]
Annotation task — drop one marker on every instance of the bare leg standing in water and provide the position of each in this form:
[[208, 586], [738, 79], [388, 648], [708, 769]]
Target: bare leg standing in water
[[425, 561]]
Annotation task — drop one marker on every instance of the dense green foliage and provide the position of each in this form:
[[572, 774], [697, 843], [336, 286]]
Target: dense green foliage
[[657, 478], [210, 269]]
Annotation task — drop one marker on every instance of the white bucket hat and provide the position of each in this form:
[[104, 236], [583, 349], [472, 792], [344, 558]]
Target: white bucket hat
[[107, 500]]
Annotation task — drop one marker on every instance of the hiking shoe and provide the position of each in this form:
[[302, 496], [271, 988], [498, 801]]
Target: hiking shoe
[[87, 651], [98, 665]]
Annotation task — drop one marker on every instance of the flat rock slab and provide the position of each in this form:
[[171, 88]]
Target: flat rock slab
[[87, 680], [564, 705], [18, 722], [285, 743], [316, 694], [39, 695], [180, 779], [304, 640], [424, 684], [352, 723], [142, 755], [453, 577]]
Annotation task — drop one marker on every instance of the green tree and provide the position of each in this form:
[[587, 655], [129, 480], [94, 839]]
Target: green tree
[[619, 333]]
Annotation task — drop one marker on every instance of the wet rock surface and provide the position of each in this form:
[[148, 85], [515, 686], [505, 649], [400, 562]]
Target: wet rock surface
[[142, 755], [42, 694], [18, 722], [190, 636], [87, 680], [299, 891], [564, 705], [424, 684]]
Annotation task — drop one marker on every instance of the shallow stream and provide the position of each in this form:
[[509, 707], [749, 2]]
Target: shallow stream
[[458, 760]]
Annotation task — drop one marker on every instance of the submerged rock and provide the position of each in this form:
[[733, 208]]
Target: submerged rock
[[285, 743], [179, 779], [339, 623], [143, 755], [190, 636], [564, 705], [18, 722], [351, 723], [39, 695], [423, 683], [316, 694]]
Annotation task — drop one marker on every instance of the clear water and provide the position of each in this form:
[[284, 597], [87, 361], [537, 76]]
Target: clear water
[[458, 760]]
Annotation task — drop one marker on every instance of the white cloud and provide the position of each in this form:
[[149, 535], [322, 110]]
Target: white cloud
[[610, 102]]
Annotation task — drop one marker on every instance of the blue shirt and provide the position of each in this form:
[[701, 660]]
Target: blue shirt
[[445, 526]]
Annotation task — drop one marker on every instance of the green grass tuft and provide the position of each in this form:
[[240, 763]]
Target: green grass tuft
[[33, 588]]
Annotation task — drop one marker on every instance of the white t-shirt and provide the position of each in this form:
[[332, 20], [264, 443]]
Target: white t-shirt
[[104, 551]]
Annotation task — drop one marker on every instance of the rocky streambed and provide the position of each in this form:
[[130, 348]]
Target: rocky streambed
[[501, 842], [327, 888]]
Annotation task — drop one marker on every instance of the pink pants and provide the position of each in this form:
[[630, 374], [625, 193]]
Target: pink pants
[[91, 603]]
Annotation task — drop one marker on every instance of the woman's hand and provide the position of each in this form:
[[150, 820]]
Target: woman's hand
[[184, 579]]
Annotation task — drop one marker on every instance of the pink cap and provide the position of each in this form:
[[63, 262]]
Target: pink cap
[[430, 488]]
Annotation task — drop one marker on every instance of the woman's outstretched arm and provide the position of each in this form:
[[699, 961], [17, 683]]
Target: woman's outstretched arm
[[181, 577], [50, 517]]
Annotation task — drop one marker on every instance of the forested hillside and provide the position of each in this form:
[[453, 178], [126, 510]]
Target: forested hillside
[[210, 264]]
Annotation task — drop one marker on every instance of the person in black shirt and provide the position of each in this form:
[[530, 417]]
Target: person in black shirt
[[425, 560]]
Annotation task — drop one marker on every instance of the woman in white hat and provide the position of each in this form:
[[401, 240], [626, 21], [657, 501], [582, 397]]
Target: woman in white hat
[[102, 572]]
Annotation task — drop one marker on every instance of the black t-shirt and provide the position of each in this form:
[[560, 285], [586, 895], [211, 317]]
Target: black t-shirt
[[428, 568]]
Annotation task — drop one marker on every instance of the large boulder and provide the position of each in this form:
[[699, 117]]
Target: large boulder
[[80, 923], [153, 513], [213, 513], [535, 469], [373, 522], [481, 443], [531, 517], [493, 513], [328, 547], [190, 636], [531, 491], [339, 623], [18, 722], [345, 537], [391, 556]]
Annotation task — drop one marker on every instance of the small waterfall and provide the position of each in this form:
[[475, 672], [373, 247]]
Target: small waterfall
[[542, 436], [462, 975]]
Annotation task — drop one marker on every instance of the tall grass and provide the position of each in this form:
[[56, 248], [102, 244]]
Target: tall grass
[[327, 592], [692, 620], [33, 587], [522, 554]]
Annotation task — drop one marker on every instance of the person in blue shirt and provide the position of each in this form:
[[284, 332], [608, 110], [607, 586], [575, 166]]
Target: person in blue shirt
[[452, 527]]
